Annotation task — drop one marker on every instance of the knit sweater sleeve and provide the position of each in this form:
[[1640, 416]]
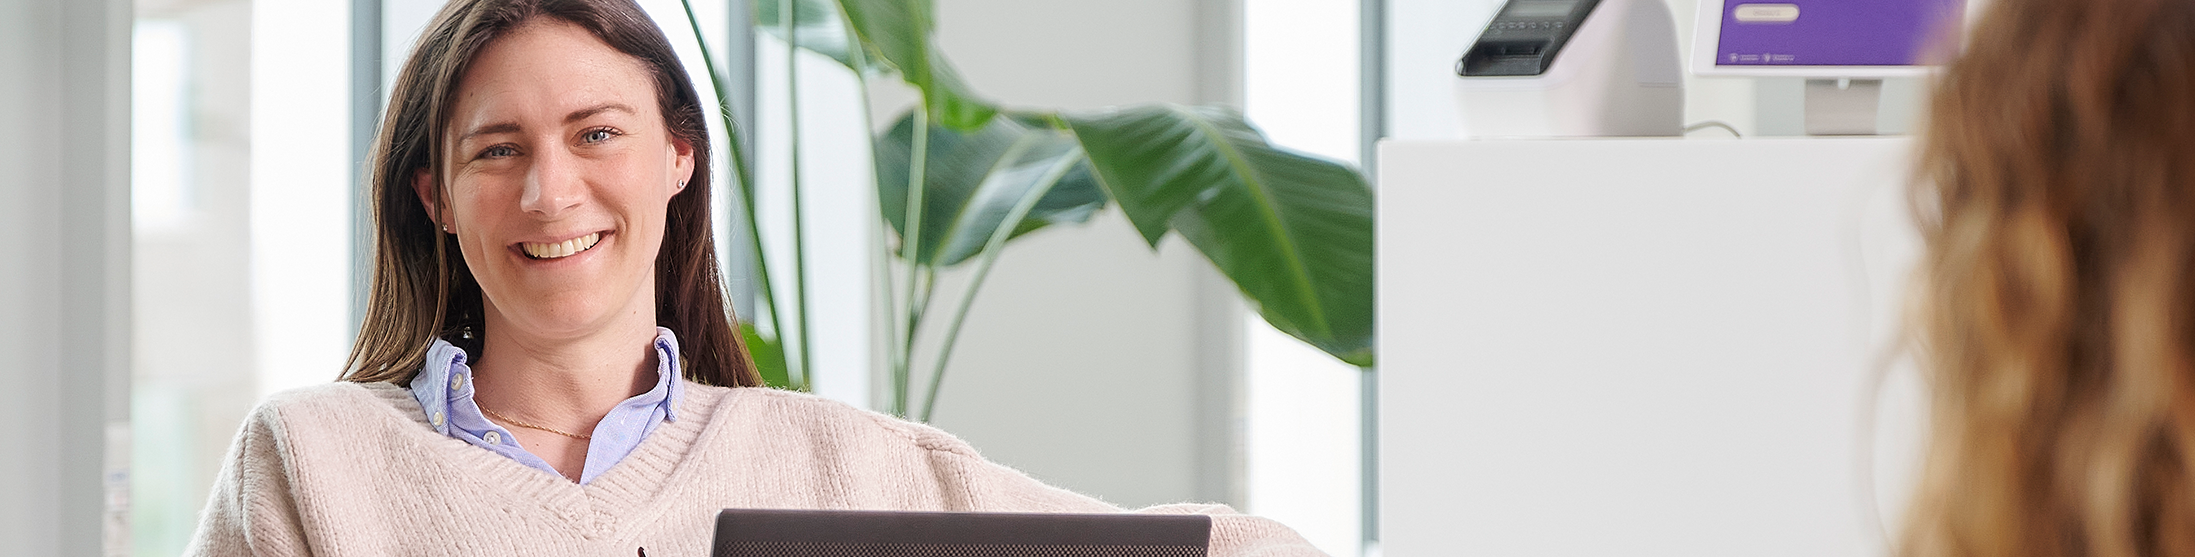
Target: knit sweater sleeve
[[251, 511], [983, 485], [1240, 535]]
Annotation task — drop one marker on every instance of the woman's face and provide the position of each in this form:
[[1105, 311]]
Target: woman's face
[[560, 170]]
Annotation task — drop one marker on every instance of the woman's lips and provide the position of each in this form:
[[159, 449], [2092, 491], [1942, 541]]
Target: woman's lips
[[560, 249]]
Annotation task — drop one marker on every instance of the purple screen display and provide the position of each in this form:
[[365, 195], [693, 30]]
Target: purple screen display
[[1833, 32]]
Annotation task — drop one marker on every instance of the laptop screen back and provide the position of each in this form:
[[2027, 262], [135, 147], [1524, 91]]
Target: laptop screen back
[[788, 533]]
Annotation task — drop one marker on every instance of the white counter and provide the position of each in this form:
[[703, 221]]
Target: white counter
[[1641, 347]]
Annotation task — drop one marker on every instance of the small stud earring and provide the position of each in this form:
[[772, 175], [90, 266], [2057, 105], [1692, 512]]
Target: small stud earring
[[681, 184]]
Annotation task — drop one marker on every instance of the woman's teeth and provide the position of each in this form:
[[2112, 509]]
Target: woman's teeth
[[560, 249]]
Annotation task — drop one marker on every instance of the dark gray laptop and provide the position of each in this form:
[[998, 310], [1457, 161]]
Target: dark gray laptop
[[783, 533]]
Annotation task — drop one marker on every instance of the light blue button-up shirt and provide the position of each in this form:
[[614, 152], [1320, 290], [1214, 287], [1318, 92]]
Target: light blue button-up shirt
[[444, 388]]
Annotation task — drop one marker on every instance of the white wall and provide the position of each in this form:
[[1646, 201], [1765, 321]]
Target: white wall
[[30, 45], [64, 298]]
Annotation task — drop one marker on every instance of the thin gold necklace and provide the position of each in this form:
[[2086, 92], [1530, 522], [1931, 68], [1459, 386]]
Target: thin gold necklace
[[514, 421]]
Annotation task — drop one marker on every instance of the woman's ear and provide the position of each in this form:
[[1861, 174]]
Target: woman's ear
[[429, 198], [682, 165]]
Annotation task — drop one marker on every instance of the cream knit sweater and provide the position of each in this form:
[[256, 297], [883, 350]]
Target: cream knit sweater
[[354, 469]]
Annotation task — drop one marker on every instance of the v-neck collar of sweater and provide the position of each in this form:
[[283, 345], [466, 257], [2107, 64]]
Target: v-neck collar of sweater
[[627, 494]]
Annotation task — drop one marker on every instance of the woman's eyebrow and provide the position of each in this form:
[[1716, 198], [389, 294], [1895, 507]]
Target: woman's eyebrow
[[499, 127], [589, 112]]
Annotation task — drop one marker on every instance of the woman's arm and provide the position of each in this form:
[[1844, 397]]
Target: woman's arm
[[975, 484], [1241, 535], [921, 468], [251, 511]]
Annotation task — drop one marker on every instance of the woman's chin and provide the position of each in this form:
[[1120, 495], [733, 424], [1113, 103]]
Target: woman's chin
[[551, 330], [563, 315]]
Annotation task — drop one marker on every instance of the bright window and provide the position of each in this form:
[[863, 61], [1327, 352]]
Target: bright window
[[1305, 463]]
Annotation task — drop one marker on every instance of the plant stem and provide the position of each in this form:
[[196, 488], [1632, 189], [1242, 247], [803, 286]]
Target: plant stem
[[893, 357], [929, 288], [790, 14], [910, 250], [925, 279], [745, 177], [991, 250], [921, 280]]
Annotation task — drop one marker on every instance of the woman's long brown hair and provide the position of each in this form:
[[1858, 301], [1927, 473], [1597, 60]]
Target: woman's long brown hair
[[2057, 295], [421, 288]]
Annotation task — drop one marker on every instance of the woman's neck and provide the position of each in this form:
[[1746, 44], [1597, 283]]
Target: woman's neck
[[563, 382]]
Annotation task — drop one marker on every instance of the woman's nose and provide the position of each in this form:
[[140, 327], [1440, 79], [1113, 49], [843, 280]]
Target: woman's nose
[[553, 185]]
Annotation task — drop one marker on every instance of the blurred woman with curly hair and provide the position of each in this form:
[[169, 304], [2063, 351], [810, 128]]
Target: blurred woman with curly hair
[[2057, 313]]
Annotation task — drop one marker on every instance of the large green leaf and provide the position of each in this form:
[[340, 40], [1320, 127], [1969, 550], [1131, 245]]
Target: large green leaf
[[899, 32], [1293, 231], [821, 30], [971, 180]]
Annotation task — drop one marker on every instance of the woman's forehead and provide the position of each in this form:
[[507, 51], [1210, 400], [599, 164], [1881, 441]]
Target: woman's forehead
[[549, 71]]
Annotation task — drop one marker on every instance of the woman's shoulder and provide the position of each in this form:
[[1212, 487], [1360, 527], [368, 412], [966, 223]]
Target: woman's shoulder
[[340, 404], [336, 395], [792, 413]]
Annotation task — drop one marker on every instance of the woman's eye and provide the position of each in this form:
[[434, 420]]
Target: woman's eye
[[499, 151], [597, 135]]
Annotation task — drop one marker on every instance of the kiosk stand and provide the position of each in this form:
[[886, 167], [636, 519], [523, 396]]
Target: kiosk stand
[[1844, 49]]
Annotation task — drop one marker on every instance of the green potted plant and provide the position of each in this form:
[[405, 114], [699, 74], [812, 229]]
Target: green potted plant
[[958, 177]]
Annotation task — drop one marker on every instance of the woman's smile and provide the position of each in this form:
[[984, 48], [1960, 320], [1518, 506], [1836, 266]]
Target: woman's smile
[[559, 250]]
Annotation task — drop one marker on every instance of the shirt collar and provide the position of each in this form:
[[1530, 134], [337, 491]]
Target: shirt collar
[[444, 390], [445, 361], [669, 373]]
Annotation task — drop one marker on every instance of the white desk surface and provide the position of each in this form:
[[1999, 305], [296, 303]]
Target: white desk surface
[[1640, 347]]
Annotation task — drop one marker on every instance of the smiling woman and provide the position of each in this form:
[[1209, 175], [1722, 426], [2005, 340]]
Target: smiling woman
[[556, 187], [543, 108], [548, 365]]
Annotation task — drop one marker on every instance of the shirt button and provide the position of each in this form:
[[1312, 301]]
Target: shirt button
[[493, 438], [438, 418], [456, 381]]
